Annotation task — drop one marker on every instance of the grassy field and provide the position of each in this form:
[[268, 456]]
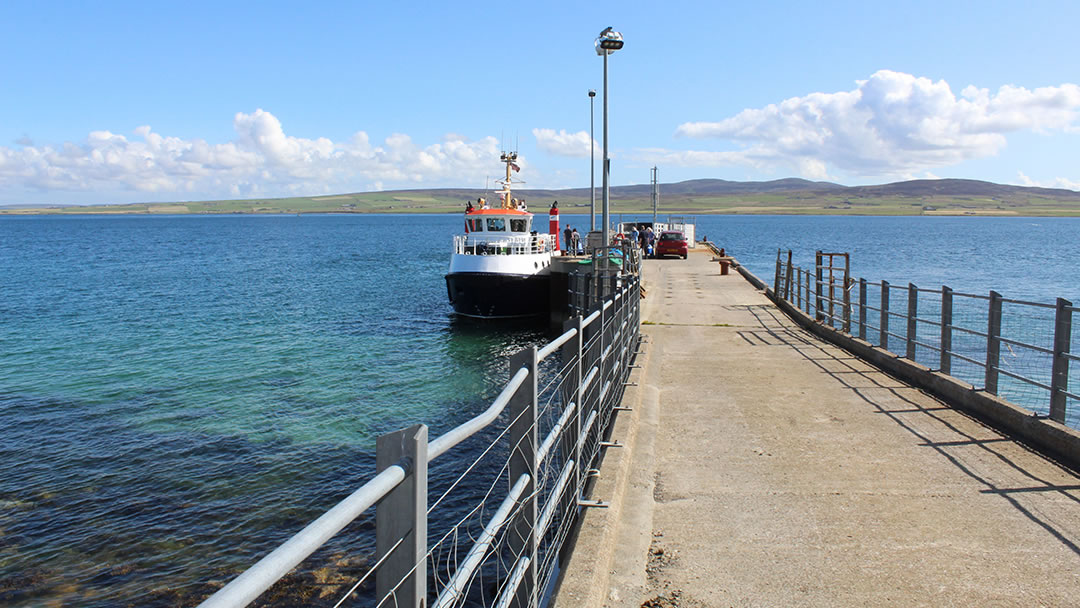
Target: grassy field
[[448, 201]]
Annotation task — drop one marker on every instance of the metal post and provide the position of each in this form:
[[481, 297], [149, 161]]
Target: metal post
[[798, 288], [402, 516], [606, 166], [523, 408], [912, 319], [787, 278], [862, 309], [817, 276], [993, 343], [1059, 377], [807, 303], [776, 277], [655, 192], [884, 338], [592, 164], [946, 329], [832, 293], [572, 353], [848, 284]]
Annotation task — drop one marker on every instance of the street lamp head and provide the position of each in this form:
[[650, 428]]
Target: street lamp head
[[608, 42], [592, 92]]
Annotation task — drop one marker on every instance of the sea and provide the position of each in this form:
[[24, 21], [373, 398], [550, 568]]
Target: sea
[[180, 394]]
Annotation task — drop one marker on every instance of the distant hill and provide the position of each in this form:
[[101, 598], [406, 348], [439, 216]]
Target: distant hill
[[697, 196]]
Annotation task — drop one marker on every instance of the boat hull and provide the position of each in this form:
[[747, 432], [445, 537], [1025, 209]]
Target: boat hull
[[498, 295]]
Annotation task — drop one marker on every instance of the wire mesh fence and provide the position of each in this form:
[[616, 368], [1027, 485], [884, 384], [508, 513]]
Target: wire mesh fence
[[1021, 351], [487, 529]]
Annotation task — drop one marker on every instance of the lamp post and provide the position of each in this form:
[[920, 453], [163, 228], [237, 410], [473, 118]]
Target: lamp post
[[607, 43], [592, 165]]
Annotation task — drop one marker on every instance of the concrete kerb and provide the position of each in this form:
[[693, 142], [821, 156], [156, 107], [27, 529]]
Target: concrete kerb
[[587, 576], [1052, 438]]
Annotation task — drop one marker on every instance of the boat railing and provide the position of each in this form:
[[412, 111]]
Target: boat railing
[[505, 504], [488, 244]]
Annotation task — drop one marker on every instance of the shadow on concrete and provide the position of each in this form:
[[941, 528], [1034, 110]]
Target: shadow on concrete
[[778, 330]]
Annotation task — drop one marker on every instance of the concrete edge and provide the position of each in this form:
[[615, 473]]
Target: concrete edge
[[1052, 438], [586, 576]]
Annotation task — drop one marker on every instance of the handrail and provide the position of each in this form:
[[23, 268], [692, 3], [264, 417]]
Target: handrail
[[609, 364], [476, 555], [555, 344], [258, 578], [465, 430], [1006, 324]]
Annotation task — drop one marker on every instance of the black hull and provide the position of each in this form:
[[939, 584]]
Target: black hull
[[495, 296]]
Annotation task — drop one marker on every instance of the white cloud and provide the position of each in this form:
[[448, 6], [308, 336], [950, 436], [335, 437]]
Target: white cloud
[[563, 143], [1059, 182], [890, 124], [262, 161]]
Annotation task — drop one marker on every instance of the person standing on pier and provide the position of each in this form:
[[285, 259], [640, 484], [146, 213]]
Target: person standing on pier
[[567, 233]]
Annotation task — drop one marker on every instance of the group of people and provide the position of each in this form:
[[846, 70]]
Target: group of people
[[645, 239], [571, 241], [481, 203]]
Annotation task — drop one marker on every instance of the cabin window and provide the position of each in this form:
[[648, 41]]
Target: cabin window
[[496, 224], [475, 224], [517, 225]]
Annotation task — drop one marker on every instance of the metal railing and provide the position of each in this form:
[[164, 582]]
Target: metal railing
[[486, 244], [554, 414], [601, 275], [1015, 349]]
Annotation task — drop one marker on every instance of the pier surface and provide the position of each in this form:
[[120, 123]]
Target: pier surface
[[764, 467]]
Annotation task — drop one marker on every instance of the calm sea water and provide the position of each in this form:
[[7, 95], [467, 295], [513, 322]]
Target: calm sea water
[[180, 394]]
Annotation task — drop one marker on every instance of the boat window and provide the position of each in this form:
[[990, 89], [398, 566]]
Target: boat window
[[517, 225], [475, 224], [496, 224]]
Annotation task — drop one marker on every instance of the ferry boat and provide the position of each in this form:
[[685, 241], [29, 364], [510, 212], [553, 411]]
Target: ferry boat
[[500, 266]]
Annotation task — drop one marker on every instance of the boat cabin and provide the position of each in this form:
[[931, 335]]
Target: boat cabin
[[497, 223], [501, 232]]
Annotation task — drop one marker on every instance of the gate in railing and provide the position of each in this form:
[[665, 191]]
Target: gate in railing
[[1021, 351], [502, 550]]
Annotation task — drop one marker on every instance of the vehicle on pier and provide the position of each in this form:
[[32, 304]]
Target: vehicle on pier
[[500, 267]]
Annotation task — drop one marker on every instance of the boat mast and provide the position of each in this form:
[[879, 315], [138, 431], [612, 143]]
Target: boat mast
[[508, 158]]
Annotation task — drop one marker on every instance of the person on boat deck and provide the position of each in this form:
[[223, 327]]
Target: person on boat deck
[[468, 207], [567, 233], [483, 203], [513, 204], [522, 206]]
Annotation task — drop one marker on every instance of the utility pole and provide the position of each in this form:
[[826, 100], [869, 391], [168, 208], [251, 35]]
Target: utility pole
[[655, 192]]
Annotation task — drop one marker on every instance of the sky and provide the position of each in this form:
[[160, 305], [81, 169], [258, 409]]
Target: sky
[[118, 102]]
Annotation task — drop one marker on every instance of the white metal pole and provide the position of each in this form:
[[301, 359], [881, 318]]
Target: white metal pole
[[592, 164], [606, 221]]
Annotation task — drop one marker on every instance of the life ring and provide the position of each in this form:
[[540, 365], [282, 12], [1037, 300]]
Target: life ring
[[541, 245]]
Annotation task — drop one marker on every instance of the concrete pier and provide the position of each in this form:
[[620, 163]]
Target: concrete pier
[[764, 467]]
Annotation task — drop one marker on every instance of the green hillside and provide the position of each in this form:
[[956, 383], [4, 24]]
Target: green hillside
[[695, 197]]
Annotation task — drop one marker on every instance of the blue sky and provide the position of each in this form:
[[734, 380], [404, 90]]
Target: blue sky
[[123, 102]]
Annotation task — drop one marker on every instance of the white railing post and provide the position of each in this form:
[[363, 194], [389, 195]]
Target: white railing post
[[401, 515], [523, 407]]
